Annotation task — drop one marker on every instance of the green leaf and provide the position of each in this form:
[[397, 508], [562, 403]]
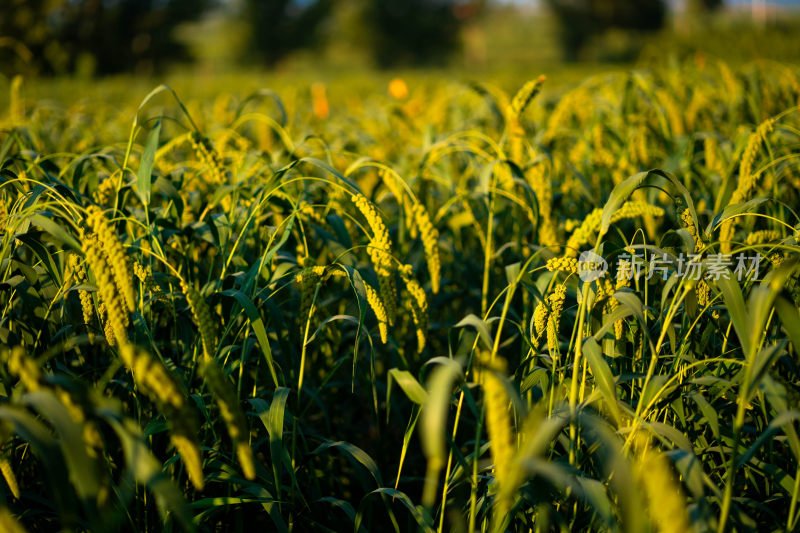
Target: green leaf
[[652, 392], [790, 319], [41, 252], [632, 302], [478, 324], [711, 416], [144, 181], [434, 421], [258, 327], [735, 210], [354, 452], [732, 294], [593, 492], [422, 518], [602, 375], [415, 392], [345, 506], [273, 420], [786, 418], [55, 230], [690, 469]]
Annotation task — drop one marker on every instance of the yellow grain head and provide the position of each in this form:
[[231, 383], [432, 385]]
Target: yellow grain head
[[584, 233], [747, 180], [556, 303], [375, 303], [156, 382], [562, 114], [24, 367], [208, 156], [762, 237], [601, 153], [636, 208], [202, 317], [191, 457], [307, 280], [115, 254], [312, 214], [221, 109], [539, 180], [430, 243], [672, 111], [392, 182], [540, 315], [116, 311], [513, 115], [703, 292], [525, 94], [499, 429], [563, 264], [231, 413], [712, 155], [688, 223], [666, 501], [108, 330], [380, 252], [504, 179], [418, 304], [106, 191], [588, 228], [78, 276], [639, 149]]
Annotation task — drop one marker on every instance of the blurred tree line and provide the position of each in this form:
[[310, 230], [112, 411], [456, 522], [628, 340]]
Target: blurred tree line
[[95, 36], [581, 20], [110, 36]]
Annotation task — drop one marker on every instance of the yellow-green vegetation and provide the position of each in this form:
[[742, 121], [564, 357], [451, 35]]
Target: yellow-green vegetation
[[333, 307]]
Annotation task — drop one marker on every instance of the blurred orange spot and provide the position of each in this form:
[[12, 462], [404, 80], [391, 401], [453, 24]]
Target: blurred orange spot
[[319, 101], [700, 60], [398, 89]]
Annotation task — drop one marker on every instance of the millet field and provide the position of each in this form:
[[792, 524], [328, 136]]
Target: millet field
[[411, 303]]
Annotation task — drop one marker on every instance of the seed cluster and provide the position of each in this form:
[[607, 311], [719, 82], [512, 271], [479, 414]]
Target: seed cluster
[[540, 182], [747, 179], [376, 304], [588, 228], [430, 242], [418, 304], [115, 254], [208, 156], [202, 317], [380, 252], [158, 384], [563, 264], [231, 413], [115, 310]]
